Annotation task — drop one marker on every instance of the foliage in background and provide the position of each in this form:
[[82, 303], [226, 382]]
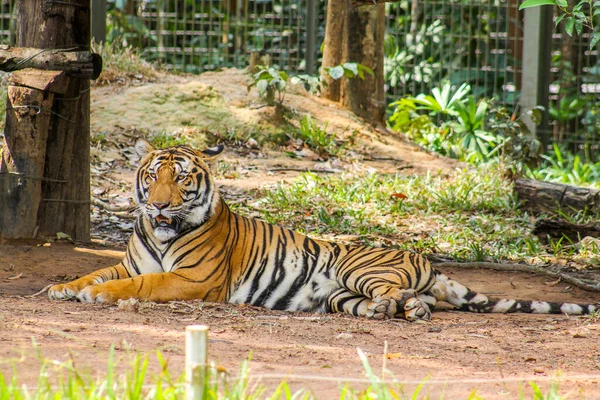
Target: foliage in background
[[566, 167], [457, 125], [576, 16]]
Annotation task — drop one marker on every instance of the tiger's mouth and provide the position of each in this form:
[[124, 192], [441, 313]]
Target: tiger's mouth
[[161, 220]]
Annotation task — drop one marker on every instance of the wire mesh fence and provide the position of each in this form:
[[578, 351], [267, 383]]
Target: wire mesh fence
[[474, 42], [479, 42], [204, 35]]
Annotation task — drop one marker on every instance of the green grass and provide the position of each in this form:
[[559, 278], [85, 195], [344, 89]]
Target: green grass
[[470, 215], [63, 380]]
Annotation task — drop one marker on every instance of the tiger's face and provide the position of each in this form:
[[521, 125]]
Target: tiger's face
[[174, 188]]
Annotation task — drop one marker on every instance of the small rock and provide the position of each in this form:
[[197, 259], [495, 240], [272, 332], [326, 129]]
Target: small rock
[[434, 329], [128, 305], [252, 143], [344, 335]]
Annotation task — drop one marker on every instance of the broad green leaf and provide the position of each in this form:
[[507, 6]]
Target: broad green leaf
[[336, 72], [569, 26], [364, 68], [562, 3], [261, 86], [595, 39], [559, 18], [579, 26], [280, 84], [535, 3], [353, 67]]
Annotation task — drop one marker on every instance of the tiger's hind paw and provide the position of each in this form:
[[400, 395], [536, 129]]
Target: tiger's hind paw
[[416, 309], [381, 307]]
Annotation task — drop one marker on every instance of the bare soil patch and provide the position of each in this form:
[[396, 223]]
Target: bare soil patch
[[457, 353]]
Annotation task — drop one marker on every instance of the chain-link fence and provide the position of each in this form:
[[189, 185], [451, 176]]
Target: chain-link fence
[[480, 42]]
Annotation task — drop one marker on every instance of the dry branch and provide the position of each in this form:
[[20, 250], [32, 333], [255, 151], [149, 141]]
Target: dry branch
[[314, 171], [77, 64], [534, 269]]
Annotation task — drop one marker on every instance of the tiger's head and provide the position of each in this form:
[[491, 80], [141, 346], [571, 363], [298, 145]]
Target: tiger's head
[[174, 188]]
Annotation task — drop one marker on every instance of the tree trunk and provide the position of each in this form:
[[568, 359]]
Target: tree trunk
[[356, 35], [547, 197], [64, 172]]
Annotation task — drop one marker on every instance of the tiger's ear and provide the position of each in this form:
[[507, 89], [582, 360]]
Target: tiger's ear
[[212, 152], [143, 147]]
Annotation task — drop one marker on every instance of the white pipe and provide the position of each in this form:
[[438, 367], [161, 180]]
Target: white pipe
[[196, 356]]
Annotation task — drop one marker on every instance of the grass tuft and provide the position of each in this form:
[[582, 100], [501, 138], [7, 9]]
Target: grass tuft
[[121, 64]]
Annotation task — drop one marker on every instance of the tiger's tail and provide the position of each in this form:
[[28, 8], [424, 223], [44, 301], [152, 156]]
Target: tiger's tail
[[464, 299]]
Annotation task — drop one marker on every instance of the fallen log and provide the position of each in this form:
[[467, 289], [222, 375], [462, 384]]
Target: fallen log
[[557, 229], [550, 198]]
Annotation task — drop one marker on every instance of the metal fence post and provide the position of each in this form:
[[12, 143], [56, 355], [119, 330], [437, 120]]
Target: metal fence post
[[311, 36], [537, 43], [99, 20]]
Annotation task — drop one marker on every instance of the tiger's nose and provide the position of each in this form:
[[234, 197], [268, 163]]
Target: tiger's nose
[[160, 205]]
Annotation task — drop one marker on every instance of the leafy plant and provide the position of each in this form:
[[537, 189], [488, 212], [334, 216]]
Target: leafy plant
[[576, 18], [348, 70], [314, 84], [441, 101], [518, 148], [461, 132], [470, 128], [270, 81]]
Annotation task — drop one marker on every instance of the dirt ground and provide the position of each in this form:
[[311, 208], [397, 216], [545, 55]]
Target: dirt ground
[[454, 355], [457, 353]]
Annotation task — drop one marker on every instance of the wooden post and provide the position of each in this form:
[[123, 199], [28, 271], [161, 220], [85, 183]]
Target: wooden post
[[196, 358], [27, 120], [64, 170]]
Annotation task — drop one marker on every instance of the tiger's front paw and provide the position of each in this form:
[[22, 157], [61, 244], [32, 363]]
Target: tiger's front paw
[[63, 291], [95, 294]]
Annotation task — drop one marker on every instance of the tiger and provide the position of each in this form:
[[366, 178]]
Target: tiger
[[188, 244]]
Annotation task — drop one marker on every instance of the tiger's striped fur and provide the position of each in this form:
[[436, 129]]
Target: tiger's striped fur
[[187, 244]]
